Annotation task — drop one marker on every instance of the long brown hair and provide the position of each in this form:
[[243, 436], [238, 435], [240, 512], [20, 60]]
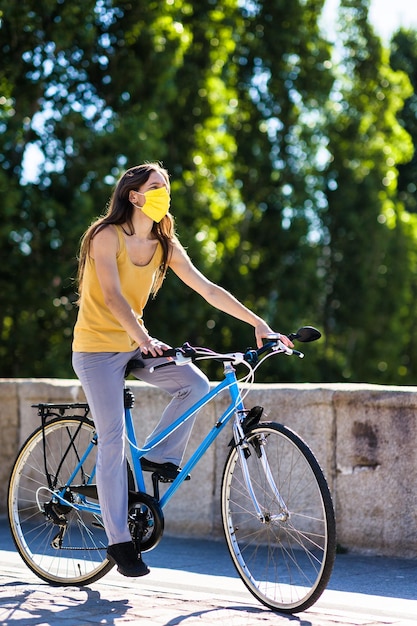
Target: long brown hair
[[120, 211]]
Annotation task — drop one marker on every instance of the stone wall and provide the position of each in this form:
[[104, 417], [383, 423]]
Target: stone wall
[[364, 436]]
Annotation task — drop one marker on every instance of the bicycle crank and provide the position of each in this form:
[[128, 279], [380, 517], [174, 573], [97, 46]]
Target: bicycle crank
[[145, 520]]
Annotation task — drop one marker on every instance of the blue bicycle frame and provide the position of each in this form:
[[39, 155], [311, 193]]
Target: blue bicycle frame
[[235, 406]]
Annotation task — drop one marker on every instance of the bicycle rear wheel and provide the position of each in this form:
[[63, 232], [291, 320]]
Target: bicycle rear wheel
[[60, 543], [285, 555]]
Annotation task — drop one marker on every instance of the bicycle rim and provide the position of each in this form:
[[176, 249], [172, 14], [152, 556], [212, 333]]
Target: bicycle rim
[[80, 558], [285, 562]]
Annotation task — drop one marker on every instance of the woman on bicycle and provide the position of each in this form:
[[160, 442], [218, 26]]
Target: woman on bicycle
[[123, 259]]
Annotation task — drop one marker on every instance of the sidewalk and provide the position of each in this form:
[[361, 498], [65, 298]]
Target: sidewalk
[[193, 582]]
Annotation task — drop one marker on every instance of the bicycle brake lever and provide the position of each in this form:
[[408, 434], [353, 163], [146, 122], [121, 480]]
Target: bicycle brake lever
[[281, 347], [157, 367], [179, 359]]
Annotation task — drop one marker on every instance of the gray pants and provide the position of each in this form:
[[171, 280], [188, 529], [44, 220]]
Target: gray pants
[[101, 375]]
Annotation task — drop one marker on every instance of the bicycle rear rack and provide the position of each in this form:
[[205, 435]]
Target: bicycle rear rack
[[47, 410], [58, 409]]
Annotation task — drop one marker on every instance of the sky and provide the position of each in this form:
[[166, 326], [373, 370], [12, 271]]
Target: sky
[[389, 15], [386, 16]]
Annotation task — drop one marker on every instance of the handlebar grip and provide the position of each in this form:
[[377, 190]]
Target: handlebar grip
[[185, 350], [298, 353]]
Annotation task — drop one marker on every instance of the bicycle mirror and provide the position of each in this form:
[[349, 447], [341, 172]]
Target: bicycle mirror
[[305, 334]]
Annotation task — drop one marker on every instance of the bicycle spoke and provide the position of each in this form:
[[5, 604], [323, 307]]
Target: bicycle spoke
[[285, 561], [59, 542]]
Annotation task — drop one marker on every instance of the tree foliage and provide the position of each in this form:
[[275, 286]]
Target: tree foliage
[[364, 255], [293, 177]]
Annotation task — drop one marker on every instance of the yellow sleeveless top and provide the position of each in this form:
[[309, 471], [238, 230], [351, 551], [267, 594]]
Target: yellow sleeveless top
[[96, 328]]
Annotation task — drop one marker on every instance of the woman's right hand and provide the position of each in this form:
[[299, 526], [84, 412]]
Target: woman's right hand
[[153, 346]]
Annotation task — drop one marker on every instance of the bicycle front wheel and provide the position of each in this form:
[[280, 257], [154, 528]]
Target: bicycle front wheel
[[283, 550], [60, 543]]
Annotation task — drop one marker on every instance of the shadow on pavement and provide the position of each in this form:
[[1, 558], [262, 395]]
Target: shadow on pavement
[[64, 607], [370, 575]]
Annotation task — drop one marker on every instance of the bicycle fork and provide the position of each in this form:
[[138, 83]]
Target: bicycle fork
[[259, 445]]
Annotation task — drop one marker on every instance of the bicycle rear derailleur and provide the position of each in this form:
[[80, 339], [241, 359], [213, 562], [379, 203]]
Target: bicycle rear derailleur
[[55, 512]]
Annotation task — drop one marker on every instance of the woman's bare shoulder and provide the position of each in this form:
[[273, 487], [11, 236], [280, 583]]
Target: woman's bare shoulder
[[105, 239]]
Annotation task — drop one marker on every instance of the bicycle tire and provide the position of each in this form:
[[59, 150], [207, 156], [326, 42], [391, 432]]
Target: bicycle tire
[[285, 564], [82, 557]]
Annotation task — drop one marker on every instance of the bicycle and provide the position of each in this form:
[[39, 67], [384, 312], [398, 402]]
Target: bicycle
[[276, 507]]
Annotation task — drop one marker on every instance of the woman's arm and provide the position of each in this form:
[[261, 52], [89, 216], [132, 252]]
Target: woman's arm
[[218, 297]]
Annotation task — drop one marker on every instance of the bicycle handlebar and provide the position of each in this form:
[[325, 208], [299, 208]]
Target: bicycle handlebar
[[187, 353]]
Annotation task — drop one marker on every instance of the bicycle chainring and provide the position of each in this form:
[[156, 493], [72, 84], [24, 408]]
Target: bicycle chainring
[[145, 520]]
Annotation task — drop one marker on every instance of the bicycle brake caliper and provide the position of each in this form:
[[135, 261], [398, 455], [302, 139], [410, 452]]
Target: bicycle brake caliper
[[252, 419]]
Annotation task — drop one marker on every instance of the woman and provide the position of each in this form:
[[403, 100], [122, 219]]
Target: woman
[[123, 259]]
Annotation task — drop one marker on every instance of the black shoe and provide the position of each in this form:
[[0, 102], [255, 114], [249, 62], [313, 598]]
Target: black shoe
[[128, 562], [168, 471]]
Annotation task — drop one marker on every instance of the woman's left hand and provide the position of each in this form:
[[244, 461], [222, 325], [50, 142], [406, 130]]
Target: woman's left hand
[[262, 330]]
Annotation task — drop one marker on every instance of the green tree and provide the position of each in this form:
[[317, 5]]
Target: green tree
[[363, 256], [272, 142], [49, 107], [283, 83], [97, 87], [404, 57]]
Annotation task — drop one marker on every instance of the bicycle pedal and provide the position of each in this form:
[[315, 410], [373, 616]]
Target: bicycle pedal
[[162, 478]]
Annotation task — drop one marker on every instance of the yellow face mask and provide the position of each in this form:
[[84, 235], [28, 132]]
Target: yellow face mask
[[157, 203]]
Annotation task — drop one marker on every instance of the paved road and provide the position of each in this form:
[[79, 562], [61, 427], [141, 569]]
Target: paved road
[[193, 582]]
